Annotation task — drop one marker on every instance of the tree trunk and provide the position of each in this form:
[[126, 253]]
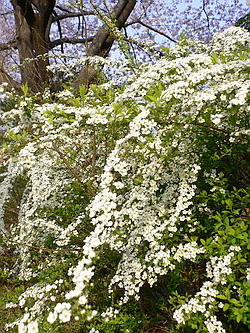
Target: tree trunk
[[104, 40], [32, 18]]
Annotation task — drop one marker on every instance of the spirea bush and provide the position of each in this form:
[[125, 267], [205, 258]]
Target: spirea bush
[[126, 206]]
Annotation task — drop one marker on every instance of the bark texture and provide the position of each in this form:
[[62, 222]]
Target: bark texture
[[32, 19]]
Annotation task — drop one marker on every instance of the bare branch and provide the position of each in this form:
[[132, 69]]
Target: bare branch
[[153, 29], [72, 171], [205, 11], [6, 13], [5, 77], [65, 16], [67, 40], [7, 46], [63, 9]]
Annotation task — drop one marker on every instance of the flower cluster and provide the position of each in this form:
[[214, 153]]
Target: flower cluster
[[123, 172], [217, 270]]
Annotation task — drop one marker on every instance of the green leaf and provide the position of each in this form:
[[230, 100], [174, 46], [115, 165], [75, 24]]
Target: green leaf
[[234, 301], [222, 297], [83, 91], [228, 294], [25, 88], [203, 242], [225, 307], [231, 232], [229, 203], [152, 98], [218, 218], [239, 317]]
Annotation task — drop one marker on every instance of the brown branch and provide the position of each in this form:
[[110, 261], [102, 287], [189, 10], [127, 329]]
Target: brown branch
[[104, 40], [7, 46], [72, 171], [207, 17], [63, 9], [154, 29], [69, 15], [6, 13], [37, 247], [5, 77], [67, 40]]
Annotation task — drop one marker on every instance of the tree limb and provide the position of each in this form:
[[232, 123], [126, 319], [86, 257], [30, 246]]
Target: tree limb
[[5, 77], [10, 45], [103, 40], [6, 13], [63, 9], [67, 40], [153, 29], [65, 16]]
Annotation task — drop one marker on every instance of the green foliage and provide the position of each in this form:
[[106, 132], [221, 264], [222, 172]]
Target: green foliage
[[126, 204]]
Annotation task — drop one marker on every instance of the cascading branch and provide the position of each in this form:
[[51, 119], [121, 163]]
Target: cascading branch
[[133, 189]]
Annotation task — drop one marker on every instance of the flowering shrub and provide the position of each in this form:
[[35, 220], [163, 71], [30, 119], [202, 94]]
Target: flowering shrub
[[131, 200]]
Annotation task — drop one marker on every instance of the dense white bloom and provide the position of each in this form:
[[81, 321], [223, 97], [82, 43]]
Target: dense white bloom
[[125, 175], [188, 251], [214, 326]]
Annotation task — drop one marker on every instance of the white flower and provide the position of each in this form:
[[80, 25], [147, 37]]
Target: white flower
[[62, 306], [82, 300], [52, 317], [118, 185], [10, 305], [248, 274], [33, 327], [22, 328], [22, 302], [216, 119], [65, 315]]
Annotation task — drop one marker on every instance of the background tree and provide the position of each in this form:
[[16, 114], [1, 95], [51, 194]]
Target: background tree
[[35, 29], [33, 23]]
